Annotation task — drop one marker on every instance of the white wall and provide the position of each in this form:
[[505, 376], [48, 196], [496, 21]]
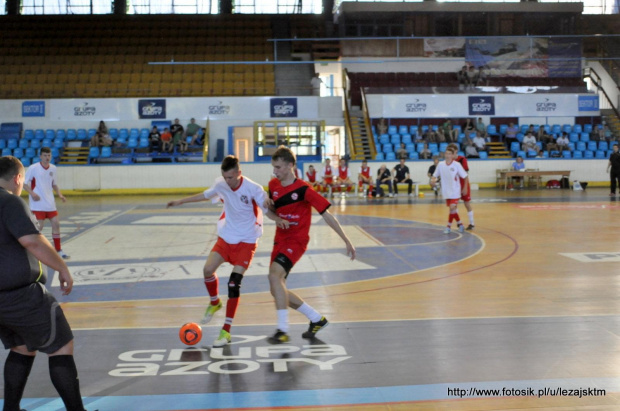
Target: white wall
[[171, 176]]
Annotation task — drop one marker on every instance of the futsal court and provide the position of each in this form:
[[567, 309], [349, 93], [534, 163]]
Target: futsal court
[[520, 313]]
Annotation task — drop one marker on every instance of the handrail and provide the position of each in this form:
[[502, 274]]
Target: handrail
[[205, 150], [600, 88], [371, 141], [347, 118]]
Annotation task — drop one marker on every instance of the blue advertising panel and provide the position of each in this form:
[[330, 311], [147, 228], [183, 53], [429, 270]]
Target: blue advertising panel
[[153, 108], [588, 103], [283, 107], [481, 105], [33, 109]]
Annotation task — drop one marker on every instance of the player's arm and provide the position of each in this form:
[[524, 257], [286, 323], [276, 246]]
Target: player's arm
[[269, 209], [335, 225], [58, 193], [41, 248], [193, 199]]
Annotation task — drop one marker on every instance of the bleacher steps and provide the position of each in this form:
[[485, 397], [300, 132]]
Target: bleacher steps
[[498, 150], [74, 155], [361, 143]]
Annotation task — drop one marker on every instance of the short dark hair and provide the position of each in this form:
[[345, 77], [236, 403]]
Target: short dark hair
[[46, 150], [285, 154], [9, 167], [229, 163]]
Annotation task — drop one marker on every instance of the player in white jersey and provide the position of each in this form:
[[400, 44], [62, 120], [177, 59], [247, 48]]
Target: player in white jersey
[[450, 173], [238, 229], [41, 182]]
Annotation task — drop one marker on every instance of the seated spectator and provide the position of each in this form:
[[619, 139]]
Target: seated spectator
[[518, 165], [383, 177], [461, 77], [605, 133], [401, 176], [562, 142], [344, 176], [431, 171], [529, 143], [480, 143], [364, 177], [451, 133], [176, 129], [511, 133], [481, 128], [402, 152], [166, 139], [469, 126], [192, 130], [327, 176], [425, 153], [543, 137], [100, 140], [382, 128], [470, 151], [311, 177], [103, 129], [155, 139], [440, 136]]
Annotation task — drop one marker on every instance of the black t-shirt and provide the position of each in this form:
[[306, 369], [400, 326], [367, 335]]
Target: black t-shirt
[[154, 136], [431, 169], [385, 174], [18, 267], [401, 172], [176, 128], [614, 159]]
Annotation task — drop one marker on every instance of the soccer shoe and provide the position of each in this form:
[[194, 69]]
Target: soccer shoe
[[63, 255], [461, 228], [447, 230], [223, 339], [470, 227], [211, 310], [279, 337], [315, 328]]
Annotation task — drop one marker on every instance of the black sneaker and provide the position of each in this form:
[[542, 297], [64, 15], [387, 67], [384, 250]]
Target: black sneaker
[[279, 337], [470, 227], [315, 328]]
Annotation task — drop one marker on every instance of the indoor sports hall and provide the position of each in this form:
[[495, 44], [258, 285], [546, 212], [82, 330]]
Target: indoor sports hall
[[520, 313]]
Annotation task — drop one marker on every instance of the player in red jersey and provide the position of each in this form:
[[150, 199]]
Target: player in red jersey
[[311, 177], [292, 200], [466, 197], [364, 177], [344, 176], [327, 176]]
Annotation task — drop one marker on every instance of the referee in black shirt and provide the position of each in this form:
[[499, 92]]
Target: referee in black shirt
[[614, 165], [30, 318]]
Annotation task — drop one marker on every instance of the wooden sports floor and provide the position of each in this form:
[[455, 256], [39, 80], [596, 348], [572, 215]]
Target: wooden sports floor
[[521, 313]]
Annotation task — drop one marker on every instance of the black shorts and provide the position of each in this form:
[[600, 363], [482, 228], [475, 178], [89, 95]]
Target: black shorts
[[31, 316]]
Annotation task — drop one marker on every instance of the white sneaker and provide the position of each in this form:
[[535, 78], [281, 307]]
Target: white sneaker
[[447, 230], [391, 195], [63, 255], [461, 228], [223, 339], [209, 312]]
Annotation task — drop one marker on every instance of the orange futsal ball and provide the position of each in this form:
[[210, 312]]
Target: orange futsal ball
[[190, 333]]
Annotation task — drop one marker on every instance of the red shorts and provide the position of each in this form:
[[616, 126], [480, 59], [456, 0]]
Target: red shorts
[[236, 254], [292, 250], [43, 215], [328, 180], [467, 197], [449, 202]]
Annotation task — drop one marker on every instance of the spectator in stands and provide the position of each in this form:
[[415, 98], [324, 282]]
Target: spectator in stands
[[382, 128], [461, 77], [451, 134], [614, 166], [469, 126], [480, 143], [401, 176], [605, 133], [472, 77], [481, 128], [166, 139], [440, 137], [470, 151], [192, 130], [431, 171], [511, 133], [430, 136], [544, 137], [100, 140], [315, 83], [518, 165], [482, 77], [384, 177], [402, 152], [529, 143], [155, 139], [562, 142], [103, 129], [426, 152], [176, 129]]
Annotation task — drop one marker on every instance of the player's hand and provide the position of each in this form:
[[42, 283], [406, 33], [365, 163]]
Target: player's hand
[[269, 204], [282, 223], [173, 203], [63, 198], [66, 282], [350, 251], [35, 196]]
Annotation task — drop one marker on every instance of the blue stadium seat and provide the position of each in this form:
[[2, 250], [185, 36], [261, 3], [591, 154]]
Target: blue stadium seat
[[585, 137], [12, 143], [581, 146], [81, 134], [7, 152], [514, 147], [424, 129], [413, 155], [483, 155], [71, 134], [502, 129], [386, 148], [384, 138], [588, 154], [545, 154], [419, 147], [123, 132], [410, 148], [413, 130], [547, 128], [93, 152], [51, 134], [144, 143], [134, 132], [46, 143], [524, 128], [144, 133], [403, 130], [379, 157], [592, 145], [40, 134], [106, 152], [571, 146], [35, 143], [113, 133], [35, 160], [60, 133], [18, 152], [30, 152], [442, 147], [29, 134], [406, 138], [566, 154], [395, 139], [573, 137], [26, 161], [390, 156], [55, 152], [556, 129], [599, 154], [23, 143], [521, 153], [433, 147], [520, 137], [603, 145], [434, 127], [532, 153], [577, 154], [567, 128], [91, 132], [2, 143], [554, 153], [577, 128], [587, 128], [132, 142], [58, 143]]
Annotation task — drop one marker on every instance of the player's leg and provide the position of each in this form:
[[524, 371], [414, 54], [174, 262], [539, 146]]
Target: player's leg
[[455, 214], [64, 376], [16, 371], [317, 321], [278, 271], [470, 215], [211, 280], [395, 186], [56, 236], [409, 186]]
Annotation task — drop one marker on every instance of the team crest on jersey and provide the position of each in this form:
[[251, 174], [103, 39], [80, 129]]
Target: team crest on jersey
[[275, 194], [51, 174], [294, 196], [244, 199]]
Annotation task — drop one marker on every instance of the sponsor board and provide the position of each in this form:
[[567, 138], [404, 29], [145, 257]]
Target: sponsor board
[[283, 107], [151, 109], [595, 257], [33, 109]]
